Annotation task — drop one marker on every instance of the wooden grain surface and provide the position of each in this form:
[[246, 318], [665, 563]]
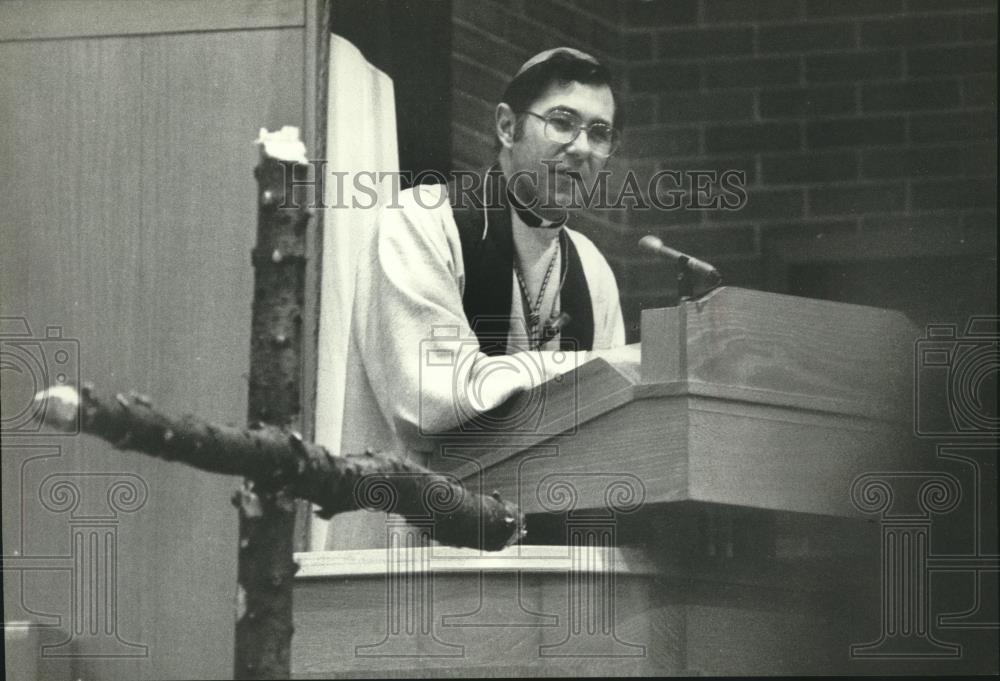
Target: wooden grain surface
[[556, 409], [674, 448], [787, 345], [534, 616], [58, 19], [128, 224], [489, 620], [760, 456]]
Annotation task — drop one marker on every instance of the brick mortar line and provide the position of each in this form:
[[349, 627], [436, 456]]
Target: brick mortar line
[[625, 261], [888, 114], [758, 183], [789, 87], [586, 12], [472, 62], [807, 208], [845, 21], [715, 229], [523, 16], [462, 23], [462, 127], [711, 231], [821, 218], [476, 99], [814, 220], [856, 183], [758, 240], [802, 10], [820, 20], [792, 54]]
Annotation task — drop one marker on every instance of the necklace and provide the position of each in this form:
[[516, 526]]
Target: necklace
[[533, 312]]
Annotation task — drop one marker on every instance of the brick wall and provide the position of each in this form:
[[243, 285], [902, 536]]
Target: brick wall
[[854, 121]]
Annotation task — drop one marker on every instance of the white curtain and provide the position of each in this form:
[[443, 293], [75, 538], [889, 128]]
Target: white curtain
[[361, 138]]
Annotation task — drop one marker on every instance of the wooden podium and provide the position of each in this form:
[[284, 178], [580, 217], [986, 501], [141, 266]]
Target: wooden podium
[[689, 513], [743, 398]]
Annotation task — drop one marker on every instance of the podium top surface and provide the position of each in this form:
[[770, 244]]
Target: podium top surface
[[771, 347]]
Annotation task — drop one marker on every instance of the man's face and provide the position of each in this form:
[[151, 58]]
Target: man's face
[[554, 164]]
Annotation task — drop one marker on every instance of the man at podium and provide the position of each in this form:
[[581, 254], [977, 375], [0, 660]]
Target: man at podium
[[479, 290]]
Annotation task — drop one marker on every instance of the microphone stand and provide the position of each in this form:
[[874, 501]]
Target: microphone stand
[[694, 277], [687, 278], [685, 281]]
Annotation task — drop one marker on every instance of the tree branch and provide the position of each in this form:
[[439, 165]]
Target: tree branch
[[276, 459]]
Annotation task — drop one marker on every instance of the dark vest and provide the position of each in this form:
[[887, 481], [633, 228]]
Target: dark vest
[[489, 268]]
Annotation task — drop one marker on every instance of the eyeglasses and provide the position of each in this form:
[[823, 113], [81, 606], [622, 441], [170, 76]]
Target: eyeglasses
[[562, 127]]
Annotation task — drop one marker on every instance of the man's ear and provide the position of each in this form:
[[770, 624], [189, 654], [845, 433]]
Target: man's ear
[[505, 124]]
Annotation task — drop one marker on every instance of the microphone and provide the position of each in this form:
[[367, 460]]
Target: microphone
[[707, 275]]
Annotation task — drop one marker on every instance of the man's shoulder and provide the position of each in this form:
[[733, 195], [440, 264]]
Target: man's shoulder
[[418, 215], [423, 207], [422, 197]]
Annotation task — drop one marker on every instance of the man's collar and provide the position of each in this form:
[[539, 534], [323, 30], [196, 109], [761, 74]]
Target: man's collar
[[530, 217], [502, 194]]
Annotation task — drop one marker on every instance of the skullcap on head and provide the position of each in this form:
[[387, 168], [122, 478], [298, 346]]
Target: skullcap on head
[[548, 54]]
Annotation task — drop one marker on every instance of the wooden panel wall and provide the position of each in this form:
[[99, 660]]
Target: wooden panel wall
[[128, 216]]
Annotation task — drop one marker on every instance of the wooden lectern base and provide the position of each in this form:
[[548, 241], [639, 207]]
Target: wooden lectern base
[[586, 609]]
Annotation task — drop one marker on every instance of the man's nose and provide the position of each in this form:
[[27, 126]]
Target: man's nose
[[580, 146]]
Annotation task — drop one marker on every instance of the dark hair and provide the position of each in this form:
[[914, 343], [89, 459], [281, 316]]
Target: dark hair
[[561, 68]]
